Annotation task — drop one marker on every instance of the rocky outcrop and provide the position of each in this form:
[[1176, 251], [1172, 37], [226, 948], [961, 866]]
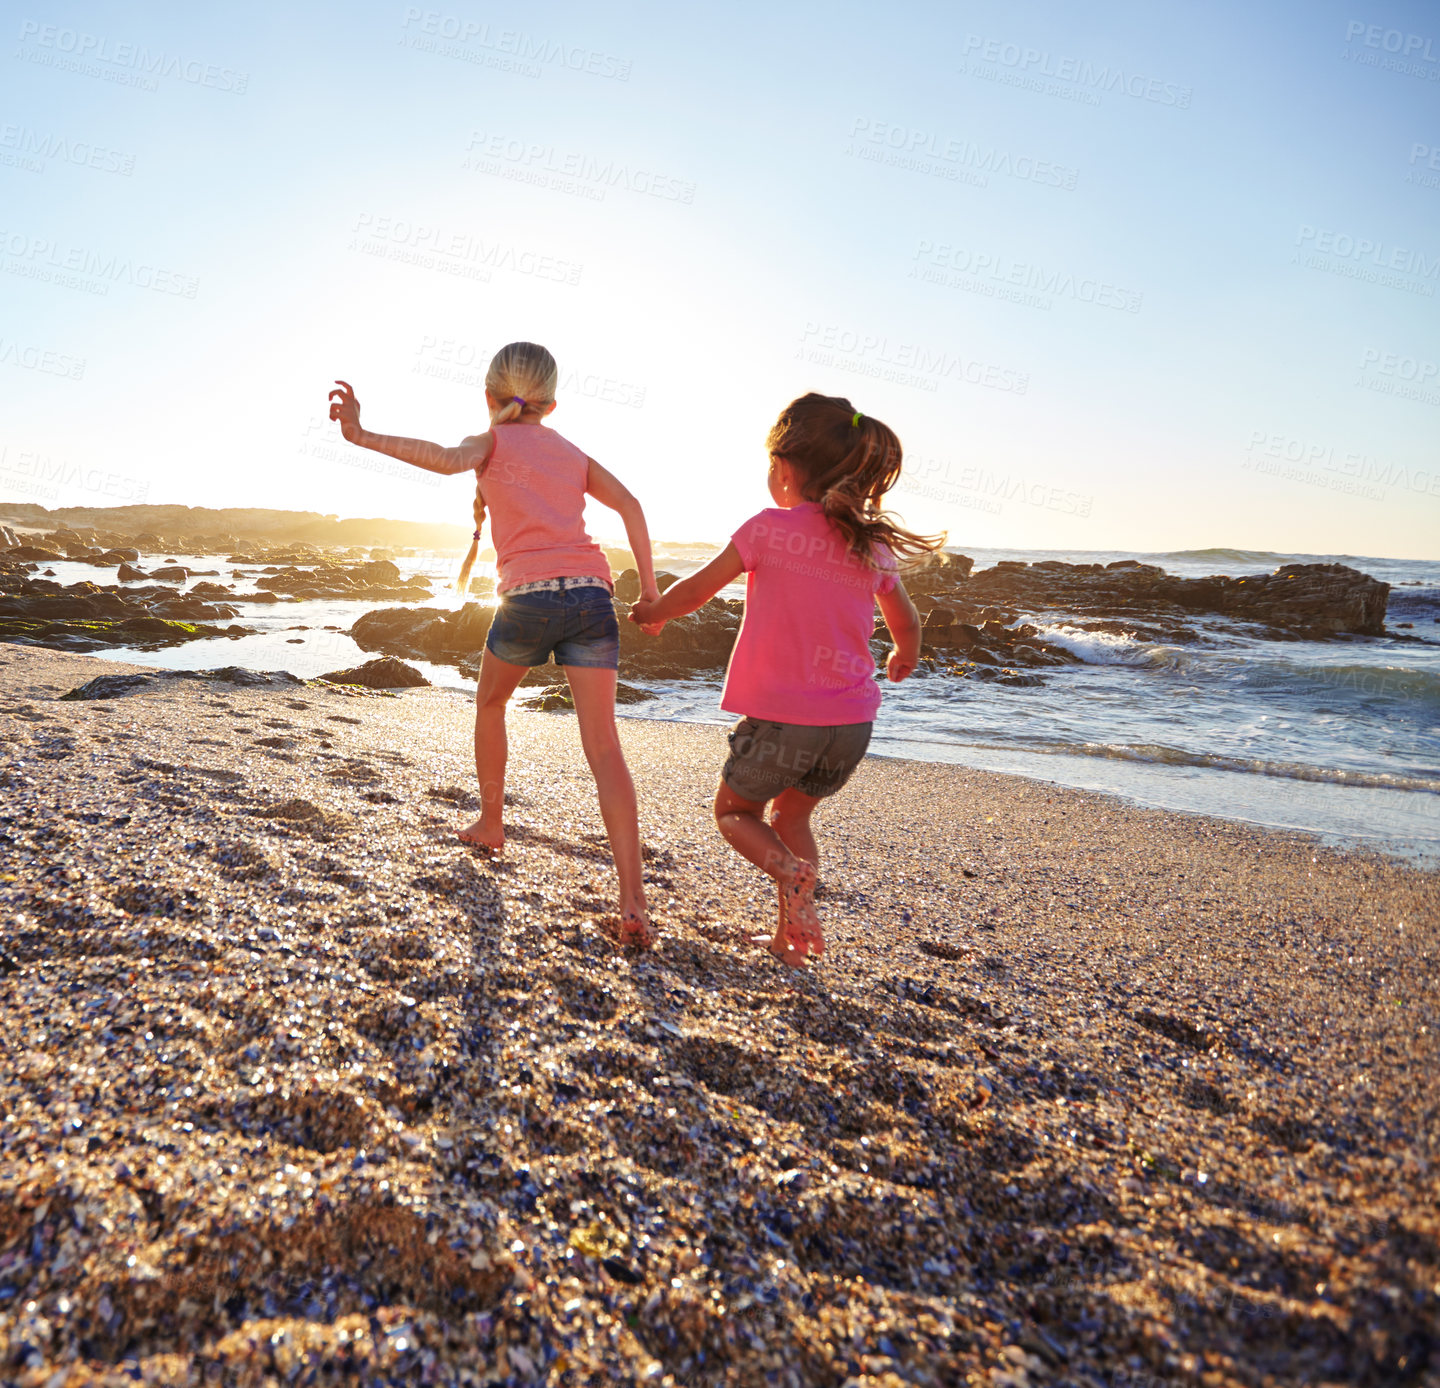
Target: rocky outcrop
[[140, 632], [1311, 600], [8, 538], [34, 554], [376, 581], [425, 633], [120, 686], [203, 530], [1297, 600], [699, 642], [556, 698], [384, 673], [87, 617]]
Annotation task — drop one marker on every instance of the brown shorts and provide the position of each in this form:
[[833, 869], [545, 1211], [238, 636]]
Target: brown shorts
[[767, 757]]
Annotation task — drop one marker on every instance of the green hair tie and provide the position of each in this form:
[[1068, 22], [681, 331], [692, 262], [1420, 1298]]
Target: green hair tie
[[855, 419]]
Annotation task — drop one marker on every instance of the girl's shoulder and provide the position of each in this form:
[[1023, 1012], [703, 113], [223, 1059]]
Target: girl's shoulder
[[533, 436]]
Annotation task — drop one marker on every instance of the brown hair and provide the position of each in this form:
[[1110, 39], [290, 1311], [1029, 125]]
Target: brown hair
[[847, 461], [521, 376]]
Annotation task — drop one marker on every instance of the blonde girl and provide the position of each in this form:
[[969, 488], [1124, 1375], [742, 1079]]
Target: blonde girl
[[554, 586], [801, 674]]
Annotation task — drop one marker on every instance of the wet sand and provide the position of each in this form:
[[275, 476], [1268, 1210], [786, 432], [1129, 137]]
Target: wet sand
[[296, 1088]]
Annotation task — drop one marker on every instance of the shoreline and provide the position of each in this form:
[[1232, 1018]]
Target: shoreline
[[1262, 743], [1152, 785], [1080, 1089]]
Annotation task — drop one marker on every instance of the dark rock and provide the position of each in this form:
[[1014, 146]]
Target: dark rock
[[627, 586], [384, 673], [235, 674], [376, 581], [33, 554], [621, 1271], [143, 633], [558, 696], [1314, 599], [110, 686], [128, 574], [171, 573], [550, 700], [424, 633], [1309, 600], [119, 686]]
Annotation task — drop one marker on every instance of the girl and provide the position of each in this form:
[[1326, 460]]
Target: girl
[[554, 586], [801, 673]]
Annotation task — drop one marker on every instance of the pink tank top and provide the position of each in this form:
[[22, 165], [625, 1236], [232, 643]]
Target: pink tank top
[[534, 491]]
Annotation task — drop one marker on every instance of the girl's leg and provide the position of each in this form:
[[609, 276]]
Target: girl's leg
[[743, 825], [594, 691], [790, 813], [498, 679]]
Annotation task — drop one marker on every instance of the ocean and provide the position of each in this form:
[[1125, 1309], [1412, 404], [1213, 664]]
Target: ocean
[[1339, 738]]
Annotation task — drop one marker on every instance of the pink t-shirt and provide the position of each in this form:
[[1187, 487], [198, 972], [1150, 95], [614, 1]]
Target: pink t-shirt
[[803, 653], [534, 490]]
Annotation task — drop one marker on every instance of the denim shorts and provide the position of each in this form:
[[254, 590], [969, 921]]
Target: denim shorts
[[575, 625], [767, 758]]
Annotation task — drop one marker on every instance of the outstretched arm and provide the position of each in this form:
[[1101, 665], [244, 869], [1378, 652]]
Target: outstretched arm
[[904, 622], [691, 592], [421, 453], [609, 491]]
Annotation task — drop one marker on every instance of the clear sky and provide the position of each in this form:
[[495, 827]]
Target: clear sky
[[1122, 275]]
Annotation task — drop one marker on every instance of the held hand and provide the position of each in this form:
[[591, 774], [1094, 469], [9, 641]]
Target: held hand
[[346, 408], [897, 667], [640, 610]]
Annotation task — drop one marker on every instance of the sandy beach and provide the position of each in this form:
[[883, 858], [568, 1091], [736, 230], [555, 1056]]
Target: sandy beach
[[296, 1088]]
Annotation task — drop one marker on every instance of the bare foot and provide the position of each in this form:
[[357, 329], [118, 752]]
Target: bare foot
[[483, 835], [797, 895], [787, 950], [635, 929], [785, 944]]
